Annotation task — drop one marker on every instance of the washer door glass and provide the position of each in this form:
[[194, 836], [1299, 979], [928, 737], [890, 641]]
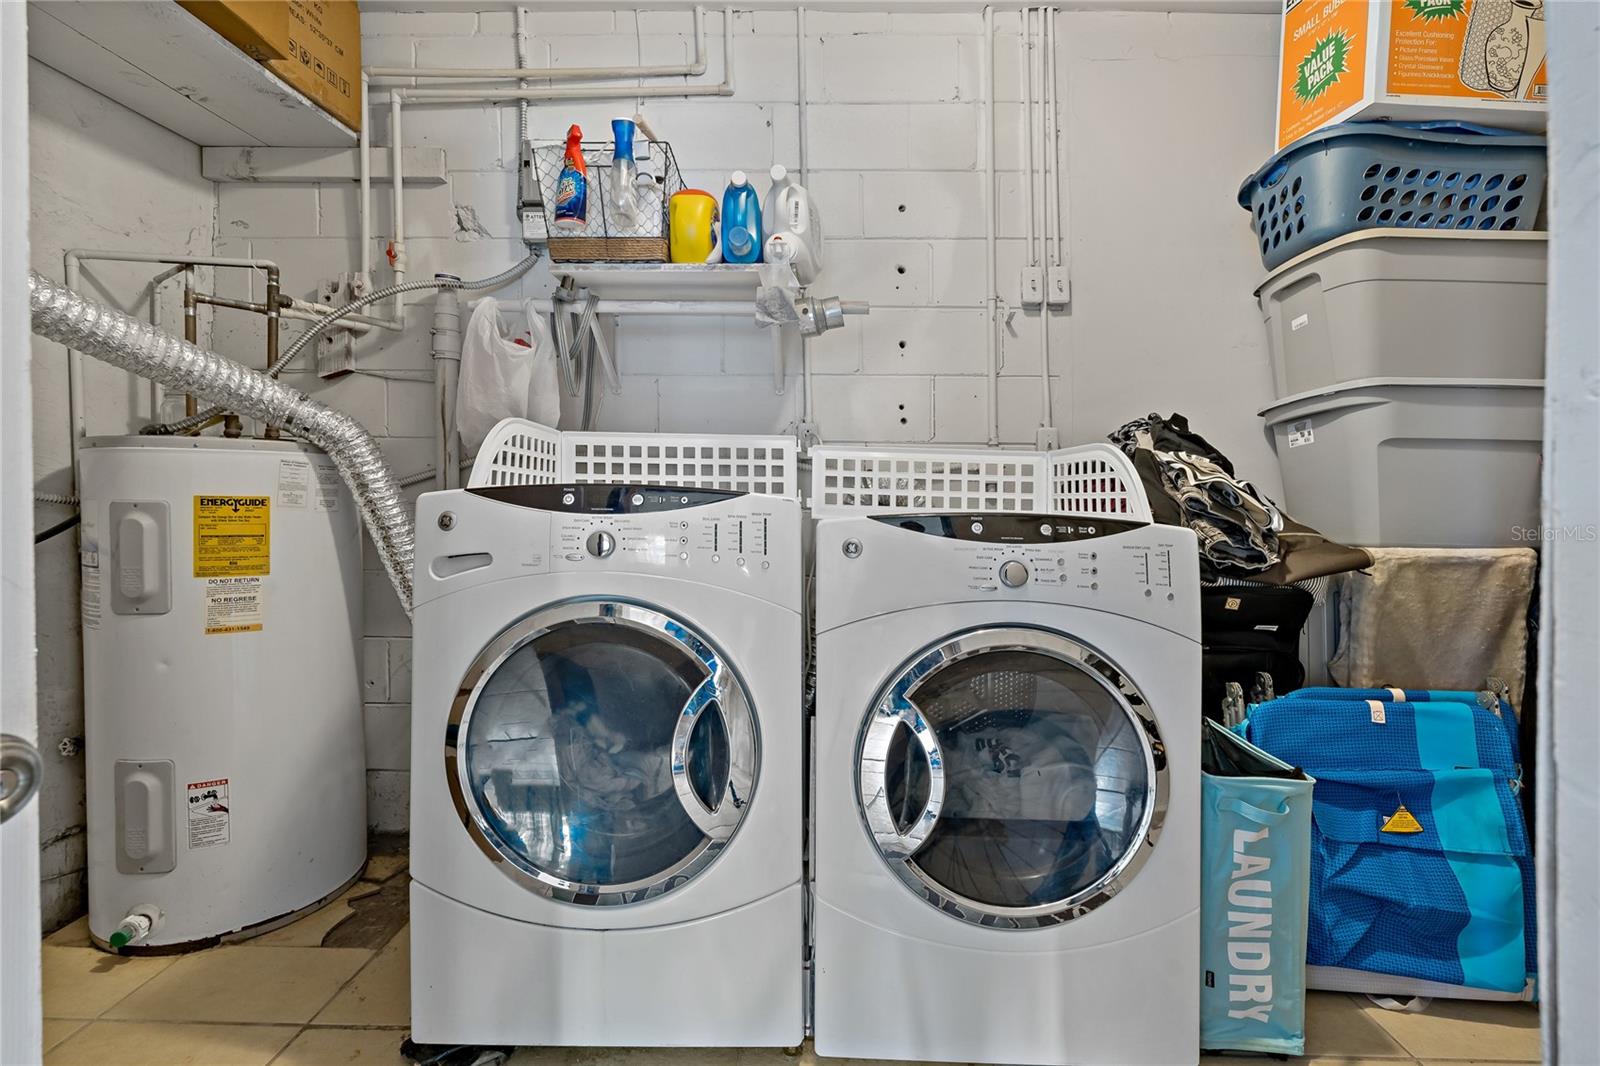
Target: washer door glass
[[604, 750], [1013, 777]]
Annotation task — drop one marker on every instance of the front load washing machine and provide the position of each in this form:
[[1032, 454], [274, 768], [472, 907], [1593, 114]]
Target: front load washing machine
[[1007, 789], [607, 768]]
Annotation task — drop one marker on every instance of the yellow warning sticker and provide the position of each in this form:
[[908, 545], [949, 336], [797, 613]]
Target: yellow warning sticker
[[232, 536], [1402, 821]]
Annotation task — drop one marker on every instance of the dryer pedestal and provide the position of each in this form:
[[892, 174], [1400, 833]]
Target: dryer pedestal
[[733, 979], [1112, 1003]]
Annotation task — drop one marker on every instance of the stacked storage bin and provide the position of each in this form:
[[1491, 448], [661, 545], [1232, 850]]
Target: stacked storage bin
[[1421, 871], [1405, 318]]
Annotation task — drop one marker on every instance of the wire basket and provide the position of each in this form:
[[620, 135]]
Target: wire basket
[[602, 239]]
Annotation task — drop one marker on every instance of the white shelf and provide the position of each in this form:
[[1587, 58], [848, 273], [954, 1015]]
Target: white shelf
[[665, 282], [156, 59]]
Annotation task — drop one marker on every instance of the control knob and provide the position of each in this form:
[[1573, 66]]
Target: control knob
[[1013, 574], [600, 544]]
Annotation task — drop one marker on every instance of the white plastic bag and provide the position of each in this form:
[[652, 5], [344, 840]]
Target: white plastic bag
[[501, 378]]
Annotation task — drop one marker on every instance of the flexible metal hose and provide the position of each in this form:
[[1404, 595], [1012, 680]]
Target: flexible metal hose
[[61, 315], [195, 421]]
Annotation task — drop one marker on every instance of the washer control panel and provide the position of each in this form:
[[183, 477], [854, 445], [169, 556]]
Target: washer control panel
[[729, 538], [1132, 567]]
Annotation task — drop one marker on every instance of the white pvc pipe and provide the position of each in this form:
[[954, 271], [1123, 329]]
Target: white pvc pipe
[[526, 73], [397, 242], [1047, 113], [1025, 70], [1055, 94], [991, 314], [446, 377], [364, 170], [591, 92], [808, 405]]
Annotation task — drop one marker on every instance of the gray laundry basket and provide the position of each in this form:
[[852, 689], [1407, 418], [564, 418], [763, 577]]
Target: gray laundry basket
[[1413, 462], [1365, 175]]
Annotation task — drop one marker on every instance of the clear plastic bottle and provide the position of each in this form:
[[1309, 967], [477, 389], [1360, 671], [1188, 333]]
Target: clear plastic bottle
[[622, 191]]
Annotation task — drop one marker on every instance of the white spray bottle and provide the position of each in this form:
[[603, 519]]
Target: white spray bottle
[[794, 232]]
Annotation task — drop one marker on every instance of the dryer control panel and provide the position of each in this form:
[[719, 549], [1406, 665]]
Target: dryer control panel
[[741, 541], [1134, 568]]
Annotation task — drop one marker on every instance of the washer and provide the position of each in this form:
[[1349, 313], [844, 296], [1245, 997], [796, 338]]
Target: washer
[[1007, 789], [607, 768]]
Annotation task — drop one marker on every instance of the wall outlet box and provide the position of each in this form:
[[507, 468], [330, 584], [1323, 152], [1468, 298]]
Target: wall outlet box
[[1046, 438], [1032, 286], [1059, 292]]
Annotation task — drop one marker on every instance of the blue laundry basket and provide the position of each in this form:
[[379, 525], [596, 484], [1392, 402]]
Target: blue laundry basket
[[1365, 175], [1420, 861], [1445, 895], [1255, 848], [1496, 704]]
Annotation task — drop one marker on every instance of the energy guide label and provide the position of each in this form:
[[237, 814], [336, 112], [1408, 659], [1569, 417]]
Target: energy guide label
[[209, 816], [232, 536]]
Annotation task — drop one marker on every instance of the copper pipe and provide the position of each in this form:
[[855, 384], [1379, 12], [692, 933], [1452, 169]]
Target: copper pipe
[[225, 301], [191, 331], [273, 297]]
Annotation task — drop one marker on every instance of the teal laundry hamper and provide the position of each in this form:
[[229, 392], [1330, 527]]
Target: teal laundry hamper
[[1255, 839]]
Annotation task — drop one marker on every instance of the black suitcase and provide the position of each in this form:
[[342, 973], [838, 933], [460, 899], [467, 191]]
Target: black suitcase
[[1250, 629]]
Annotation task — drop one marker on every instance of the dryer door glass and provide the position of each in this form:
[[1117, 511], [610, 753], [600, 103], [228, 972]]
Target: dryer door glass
[[605, 751], [1013, 777]]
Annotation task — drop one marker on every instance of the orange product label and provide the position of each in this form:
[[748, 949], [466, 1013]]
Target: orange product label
[[1324, 61], [1474, 49]]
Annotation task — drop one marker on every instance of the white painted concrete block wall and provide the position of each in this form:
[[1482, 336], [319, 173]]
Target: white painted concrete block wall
[[102, 177], [1162, 116]]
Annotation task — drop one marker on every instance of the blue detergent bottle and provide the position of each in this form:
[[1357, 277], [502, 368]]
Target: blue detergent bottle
[[741, 221]]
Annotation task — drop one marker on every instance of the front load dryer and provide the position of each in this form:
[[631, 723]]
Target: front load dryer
[[1007, 789], [607, 768]]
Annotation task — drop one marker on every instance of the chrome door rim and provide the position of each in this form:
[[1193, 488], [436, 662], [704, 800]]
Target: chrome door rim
[[895, 705], [717, 827]]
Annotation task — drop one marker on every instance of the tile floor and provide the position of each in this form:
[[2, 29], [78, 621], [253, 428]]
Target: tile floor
[[286, 999]]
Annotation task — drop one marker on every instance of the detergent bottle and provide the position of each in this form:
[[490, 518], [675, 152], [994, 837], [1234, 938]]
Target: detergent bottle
[[572, 187], [794, 232], [741, 221]]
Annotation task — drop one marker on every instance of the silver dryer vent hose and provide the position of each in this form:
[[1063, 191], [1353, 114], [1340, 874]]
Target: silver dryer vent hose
[[61, 315]]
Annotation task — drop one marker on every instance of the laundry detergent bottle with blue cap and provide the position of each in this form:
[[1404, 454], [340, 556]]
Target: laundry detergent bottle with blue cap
[[741, 221]]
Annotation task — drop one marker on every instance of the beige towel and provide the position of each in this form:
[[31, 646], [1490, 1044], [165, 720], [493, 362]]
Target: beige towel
[[1436, 618]]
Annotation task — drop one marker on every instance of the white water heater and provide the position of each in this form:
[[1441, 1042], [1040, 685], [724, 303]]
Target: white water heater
[[222, 631]]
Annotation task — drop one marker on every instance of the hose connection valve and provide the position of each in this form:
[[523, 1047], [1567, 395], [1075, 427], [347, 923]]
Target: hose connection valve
[[139, 924]]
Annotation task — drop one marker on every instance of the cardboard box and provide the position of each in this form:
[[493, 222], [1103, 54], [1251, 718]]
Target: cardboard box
[[1479, 61], [314, 45]]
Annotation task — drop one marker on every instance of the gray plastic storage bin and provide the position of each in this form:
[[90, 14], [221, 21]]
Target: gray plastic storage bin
[[1425, 305], [1413, 462]]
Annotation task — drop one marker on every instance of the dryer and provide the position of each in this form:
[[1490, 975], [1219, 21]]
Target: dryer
[[1007, 789], [607, 767]]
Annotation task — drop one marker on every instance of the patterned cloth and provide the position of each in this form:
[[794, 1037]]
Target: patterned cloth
[[1236, 524]]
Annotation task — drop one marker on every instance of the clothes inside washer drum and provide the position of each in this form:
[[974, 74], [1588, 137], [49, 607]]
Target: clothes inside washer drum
[[569, 753], [1045, 781]]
